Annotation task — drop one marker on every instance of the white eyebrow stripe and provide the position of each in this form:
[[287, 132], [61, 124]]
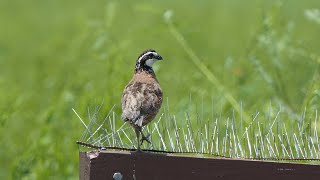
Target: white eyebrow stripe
[[146, 54]]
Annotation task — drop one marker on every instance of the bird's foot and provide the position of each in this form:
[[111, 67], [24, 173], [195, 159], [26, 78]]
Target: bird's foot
[[138, 150], [145, 138]]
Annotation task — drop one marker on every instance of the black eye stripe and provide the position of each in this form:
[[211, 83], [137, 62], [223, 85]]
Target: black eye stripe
[[146, 58]]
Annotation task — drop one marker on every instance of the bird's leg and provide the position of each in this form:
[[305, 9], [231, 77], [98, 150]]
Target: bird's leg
[[138, 136], [145, 138]]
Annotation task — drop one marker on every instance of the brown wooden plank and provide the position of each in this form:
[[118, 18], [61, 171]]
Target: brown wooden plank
[[146, 166]]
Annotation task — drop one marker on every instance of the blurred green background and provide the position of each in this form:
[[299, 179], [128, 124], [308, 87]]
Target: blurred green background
[[59, 55]]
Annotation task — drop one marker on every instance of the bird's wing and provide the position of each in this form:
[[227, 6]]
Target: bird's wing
[[140, 100], [132, 101], [152, 99]]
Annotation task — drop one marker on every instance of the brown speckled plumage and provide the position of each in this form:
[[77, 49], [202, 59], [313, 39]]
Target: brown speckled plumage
[[142, 97]]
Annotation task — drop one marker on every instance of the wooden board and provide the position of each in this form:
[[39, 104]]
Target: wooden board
[[97, 165]]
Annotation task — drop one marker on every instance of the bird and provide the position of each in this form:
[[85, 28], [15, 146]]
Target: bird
[[142, 97]]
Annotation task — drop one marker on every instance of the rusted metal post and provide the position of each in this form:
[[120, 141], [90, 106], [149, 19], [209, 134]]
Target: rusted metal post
[[97, 165]]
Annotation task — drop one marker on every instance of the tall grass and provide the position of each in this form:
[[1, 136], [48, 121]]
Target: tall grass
[[267, 136]]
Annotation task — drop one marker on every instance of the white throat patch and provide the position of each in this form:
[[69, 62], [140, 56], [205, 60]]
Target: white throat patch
[[150, 62]]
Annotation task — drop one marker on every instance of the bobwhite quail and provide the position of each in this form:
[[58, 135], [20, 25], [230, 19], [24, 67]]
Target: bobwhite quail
[[142, 97]]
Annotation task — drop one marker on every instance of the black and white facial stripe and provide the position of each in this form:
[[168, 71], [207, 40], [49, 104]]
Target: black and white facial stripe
[[146, 60]]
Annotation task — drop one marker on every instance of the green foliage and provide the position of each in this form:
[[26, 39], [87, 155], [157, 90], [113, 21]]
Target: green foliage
[[59, 55]]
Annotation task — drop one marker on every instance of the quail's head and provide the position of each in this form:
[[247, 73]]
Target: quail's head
[[146, 60]]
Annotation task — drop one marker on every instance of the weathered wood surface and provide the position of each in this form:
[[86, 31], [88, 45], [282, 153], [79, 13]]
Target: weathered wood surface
[[147, 166]]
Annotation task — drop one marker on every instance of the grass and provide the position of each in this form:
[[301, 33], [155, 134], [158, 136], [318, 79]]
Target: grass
[[245, 58], [264, 137]]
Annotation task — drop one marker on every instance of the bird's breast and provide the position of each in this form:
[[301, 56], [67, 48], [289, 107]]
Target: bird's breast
[[142, 98], [145, 77]]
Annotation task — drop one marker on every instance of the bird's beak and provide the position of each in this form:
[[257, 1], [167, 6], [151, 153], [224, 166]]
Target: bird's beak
[[159, 57]]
